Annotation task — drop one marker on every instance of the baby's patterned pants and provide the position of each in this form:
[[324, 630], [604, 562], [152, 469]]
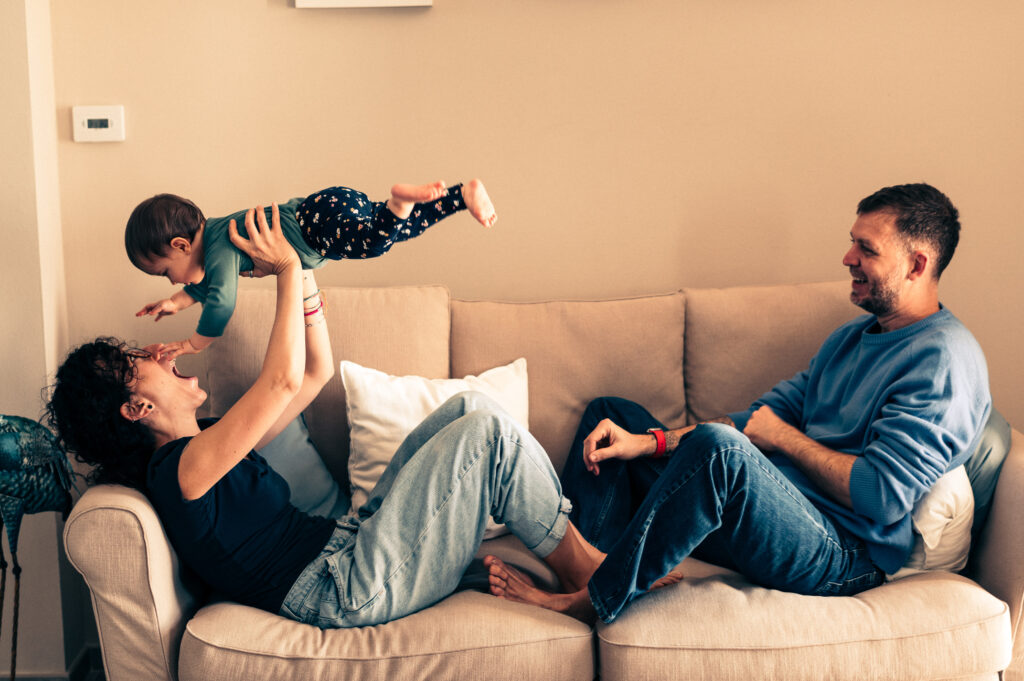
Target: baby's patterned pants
[[343, 223]]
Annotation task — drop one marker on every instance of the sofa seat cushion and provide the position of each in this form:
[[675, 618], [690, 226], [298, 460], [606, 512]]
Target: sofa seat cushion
[[467, 635], [933, 625]]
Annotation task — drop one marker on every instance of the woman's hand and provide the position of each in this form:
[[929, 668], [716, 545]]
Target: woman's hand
[[270, 251]]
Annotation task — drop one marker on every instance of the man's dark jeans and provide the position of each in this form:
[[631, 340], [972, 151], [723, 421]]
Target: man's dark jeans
[[717, 498]]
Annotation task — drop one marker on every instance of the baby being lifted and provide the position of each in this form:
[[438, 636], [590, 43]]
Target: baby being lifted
[[168, 236]]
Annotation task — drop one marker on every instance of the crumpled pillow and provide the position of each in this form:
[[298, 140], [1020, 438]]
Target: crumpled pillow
[[313, 489], [942, 522]]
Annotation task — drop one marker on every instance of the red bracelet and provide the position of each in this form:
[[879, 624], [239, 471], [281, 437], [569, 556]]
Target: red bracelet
[[319, 307], [659, 438]]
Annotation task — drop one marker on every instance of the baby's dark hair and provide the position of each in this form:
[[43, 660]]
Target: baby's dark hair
[[84, 410], [156, 221]]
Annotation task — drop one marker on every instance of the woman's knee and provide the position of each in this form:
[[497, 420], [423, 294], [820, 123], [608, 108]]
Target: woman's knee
[[473, 400]]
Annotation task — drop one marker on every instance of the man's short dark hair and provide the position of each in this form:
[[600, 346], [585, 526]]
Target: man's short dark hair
[[156, 221], [923, 214]]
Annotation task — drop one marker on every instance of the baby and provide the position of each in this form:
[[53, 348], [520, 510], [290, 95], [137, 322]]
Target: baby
[[168, 236]]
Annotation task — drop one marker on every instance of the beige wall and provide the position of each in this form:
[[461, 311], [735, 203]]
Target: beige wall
[[631, 146], [52, 614]]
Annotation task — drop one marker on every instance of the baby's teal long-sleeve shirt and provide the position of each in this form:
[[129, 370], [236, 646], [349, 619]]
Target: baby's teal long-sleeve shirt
[[219, 287], [910, 404]]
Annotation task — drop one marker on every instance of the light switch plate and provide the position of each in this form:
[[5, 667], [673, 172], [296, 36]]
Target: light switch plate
[[97, 123]]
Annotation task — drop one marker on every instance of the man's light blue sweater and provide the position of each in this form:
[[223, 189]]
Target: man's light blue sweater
[[910, 403]]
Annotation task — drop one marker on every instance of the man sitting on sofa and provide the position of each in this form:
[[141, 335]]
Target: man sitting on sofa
[[811, 489]]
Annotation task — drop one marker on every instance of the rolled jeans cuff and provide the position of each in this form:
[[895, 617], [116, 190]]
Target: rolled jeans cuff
[[553, 535]]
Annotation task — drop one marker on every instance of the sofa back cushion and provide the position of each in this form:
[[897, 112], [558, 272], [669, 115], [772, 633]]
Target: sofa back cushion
[[575, 352], [741, 341], [400, 330]]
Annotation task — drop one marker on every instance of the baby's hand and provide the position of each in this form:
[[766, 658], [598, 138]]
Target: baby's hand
[[161, 308], [172, 350]]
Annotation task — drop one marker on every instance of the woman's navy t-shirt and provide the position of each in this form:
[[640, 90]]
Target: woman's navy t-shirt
[[243, 538]]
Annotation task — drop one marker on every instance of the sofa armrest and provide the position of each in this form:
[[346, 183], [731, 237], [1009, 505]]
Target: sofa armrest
[[1001, 559], [115, 540]]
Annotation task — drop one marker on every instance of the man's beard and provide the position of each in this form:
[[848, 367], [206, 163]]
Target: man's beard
[[881, 299]]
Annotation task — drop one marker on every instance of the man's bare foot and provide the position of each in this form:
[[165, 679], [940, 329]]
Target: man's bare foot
[[673, 577], [405, 196], [507, 583], [479, 203], [574, 560]]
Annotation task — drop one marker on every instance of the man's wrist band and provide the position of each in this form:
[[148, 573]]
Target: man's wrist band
[[659, 438]]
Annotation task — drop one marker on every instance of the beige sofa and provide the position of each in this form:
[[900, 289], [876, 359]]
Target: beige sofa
[[688, 355]]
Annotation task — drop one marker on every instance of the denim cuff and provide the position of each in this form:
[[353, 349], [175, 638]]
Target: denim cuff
[[603, 613], [556, 532]]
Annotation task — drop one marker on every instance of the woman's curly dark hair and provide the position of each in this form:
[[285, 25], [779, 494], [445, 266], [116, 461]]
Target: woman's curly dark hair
[[84, 410]]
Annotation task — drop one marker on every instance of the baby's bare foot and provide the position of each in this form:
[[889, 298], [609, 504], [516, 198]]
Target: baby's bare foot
[[479, 203], [418, 193]]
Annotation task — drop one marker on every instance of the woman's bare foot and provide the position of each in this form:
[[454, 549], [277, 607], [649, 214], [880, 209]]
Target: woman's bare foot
[[512, 570], [509, 584], [673, 577], [479, 203], [405, 196]]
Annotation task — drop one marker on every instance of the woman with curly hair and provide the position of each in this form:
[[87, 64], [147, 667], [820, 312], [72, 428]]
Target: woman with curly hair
[[132, 415]]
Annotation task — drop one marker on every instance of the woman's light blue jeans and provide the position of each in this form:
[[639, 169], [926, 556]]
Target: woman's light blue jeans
[[717, 498], [409, 544]]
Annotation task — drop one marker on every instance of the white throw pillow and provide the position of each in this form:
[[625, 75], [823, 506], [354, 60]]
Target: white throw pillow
[[383, 409], [942, 525]]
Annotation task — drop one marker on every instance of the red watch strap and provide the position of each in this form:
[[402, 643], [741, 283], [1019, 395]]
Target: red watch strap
[[659, 438]]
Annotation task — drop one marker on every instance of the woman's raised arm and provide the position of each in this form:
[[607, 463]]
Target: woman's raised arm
[[319, 358], [215, 451]]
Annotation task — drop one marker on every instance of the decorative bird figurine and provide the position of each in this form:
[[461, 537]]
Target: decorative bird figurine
[[35, 476]]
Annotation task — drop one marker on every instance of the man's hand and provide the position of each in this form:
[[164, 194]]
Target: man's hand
[[766, 430], [161, 308], [609, 441], [826, 467]]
